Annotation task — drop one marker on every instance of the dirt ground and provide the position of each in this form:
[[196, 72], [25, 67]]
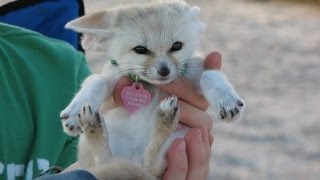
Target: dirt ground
[[271, 53]]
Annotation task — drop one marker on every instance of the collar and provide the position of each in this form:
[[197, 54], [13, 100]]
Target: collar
[[132, 76], [136, 78]]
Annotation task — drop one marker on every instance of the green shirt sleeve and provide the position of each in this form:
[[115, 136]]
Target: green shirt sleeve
[[39, 76]]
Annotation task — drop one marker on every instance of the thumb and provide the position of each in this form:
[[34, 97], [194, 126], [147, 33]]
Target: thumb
[[213, 61]]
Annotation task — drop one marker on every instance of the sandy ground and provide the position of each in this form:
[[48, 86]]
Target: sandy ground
[[271, 52]]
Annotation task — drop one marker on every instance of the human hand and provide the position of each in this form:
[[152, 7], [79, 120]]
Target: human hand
[[189, 157]]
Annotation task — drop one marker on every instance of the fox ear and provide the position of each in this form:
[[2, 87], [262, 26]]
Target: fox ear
[[194, 13], [97, 23], [96, 28]]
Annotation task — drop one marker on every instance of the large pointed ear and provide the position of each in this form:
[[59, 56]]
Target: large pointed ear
[[97, 28], [193, 13], [96, 23]]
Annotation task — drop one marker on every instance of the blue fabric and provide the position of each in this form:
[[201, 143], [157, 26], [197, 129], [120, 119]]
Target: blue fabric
[[72, 175], [47, 17]]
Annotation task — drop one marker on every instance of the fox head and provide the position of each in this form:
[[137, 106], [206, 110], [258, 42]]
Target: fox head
[[156, 41]]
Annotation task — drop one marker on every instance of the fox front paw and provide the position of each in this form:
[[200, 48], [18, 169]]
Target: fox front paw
[[230, 109], [69, 118], [220, 94], [70, 125]]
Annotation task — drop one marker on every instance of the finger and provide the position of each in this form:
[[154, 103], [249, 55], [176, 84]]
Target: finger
[[207, 149], [185, 90], [213, 61], [177, 161], [211, 138], [194, 117], [123, 82], [196, 155]]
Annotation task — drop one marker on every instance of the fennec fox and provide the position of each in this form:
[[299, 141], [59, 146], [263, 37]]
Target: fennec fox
[[156, 43]]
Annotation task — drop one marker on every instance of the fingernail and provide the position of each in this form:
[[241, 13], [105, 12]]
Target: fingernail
[[199, 138], [182, 147]]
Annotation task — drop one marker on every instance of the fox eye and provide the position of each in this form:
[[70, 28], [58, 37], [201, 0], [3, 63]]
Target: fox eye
[[140, 50], [176, 46]]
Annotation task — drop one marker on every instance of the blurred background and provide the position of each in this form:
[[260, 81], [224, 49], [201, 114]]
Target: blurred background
[[271, 53]]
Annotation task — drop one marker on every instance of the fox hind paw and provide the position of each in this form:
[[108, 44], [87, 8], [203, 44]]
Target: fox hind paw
[[169, 107], [89, 119]]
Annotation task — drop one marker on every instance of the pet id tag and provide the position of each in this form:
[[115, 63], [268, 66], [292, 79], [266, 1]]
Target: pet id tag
[[135, 97]]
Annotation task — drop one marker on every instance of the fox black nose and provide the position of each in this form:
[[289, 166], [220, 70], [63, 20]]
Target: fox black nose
[[164, 71]]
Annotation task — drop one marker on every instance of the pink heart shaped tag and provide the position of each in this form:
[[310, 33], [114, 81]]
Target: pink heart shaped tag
[[135, 97]]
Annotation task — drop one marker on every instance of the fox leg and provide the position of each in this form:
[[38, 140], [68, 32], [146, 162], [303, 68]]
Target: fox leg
[[221, 96], [94, 91], [166, 124], [93, 145]]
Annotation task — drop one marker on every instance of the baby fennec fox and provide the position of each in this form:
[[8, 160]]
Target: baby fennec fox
[[156, 43]]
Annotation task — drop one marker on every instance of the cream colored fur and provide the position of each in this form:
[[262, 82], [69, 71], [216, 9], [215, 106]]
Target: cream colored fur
[[119, 145]]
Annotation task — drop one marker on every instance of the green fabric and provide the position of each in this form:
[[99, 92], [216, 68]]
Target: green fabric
[[38, 78]]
